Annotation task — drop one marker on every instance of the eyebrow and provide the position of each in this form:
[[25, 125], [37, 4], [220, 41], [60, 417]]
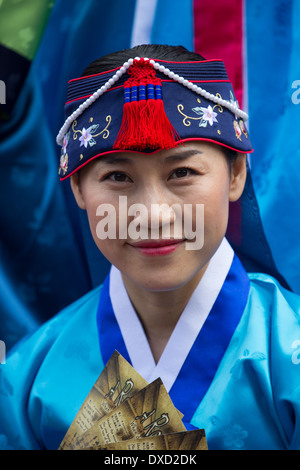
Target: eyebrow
[[183, 155], [111, 158]]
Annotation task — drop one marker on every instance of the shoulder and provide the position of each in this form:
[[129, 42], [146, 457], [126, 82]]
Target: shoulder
[[77, 308], [268, 292], [279, 311], [275, 322], [275, 309], [48, 374], [75, 322], [55, 327], [261, 368]]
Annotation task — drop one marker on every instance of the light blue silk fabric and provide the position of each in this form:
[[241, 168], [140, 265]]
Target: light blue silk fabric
[[253, 401], [273, 65]]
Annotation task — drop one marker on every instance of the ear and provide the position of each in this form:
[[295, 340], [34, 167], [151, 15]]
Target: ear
[[238, 177], [76, 188]]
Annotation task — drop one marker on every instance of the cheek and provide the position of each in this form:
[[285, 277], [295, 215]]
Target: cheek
[[216, 212], [215, 198], [101, 209], [103, 220], [93, 219], [104, 231]]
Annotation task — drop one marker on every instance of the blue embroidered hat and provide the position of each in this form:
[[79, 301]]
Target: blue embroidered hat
[[148, 105]]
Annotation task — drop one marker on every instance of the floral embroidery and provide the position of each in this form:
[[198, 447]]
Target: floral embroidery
[[237, 129], [63, 164], [65, 143], [237, 368], [243, 128], [233, 435], [239, 126], [87, 137], [63, 167], [206, 115]]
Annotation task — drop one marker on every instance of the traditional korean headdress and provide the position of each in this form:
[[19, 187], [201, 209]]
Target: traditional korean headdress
[[149, 105]]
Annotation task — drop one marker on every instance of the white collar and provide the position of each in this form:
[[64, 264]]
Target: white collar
[[186, 329]]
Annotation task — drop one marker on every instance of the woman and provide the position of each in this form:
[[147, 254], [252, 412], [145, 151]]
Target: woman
[[155, 151]]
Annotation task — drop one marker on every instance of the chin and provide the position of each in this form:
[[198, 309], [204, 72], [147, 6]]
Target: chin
[[160, 284]]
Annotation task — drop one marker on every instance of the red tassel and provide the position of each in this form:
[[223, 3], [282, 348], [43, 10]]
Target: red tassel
[[145, 124], [126, 136]]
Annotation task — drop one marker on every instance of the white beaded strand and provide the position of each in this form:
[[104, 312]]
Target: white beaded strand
[[200, 91], [161, 68], [89, 101]]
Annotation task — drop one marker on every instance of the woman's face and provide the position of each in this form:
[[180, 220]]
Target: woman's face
[[142, 204]]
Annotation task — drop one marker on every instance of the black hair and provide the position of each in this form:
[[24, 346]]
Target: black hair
[[230, 155], [153, 51]]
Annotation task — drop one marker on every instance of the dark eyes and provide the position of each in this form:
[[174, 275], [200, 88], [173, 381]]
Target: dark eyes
[[118, 176], [121, 177], [181, 173]]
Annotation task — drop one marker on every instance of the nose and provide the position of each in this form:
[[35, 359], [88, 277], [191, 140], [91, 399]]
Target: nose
[[156, 214], [161, 215]]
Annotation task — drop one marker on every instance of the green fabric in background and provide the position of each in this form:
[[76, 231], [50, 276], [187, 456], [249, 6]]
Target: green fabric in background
[[22, 24]]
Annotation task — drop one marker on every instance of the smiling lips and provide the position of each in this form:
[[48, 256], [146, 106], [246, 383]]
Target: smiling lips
[[157, 247]]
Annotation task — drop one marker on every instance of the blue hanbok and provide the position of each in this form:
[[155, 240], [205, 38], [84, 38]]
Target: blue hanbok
[[231, 366]]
